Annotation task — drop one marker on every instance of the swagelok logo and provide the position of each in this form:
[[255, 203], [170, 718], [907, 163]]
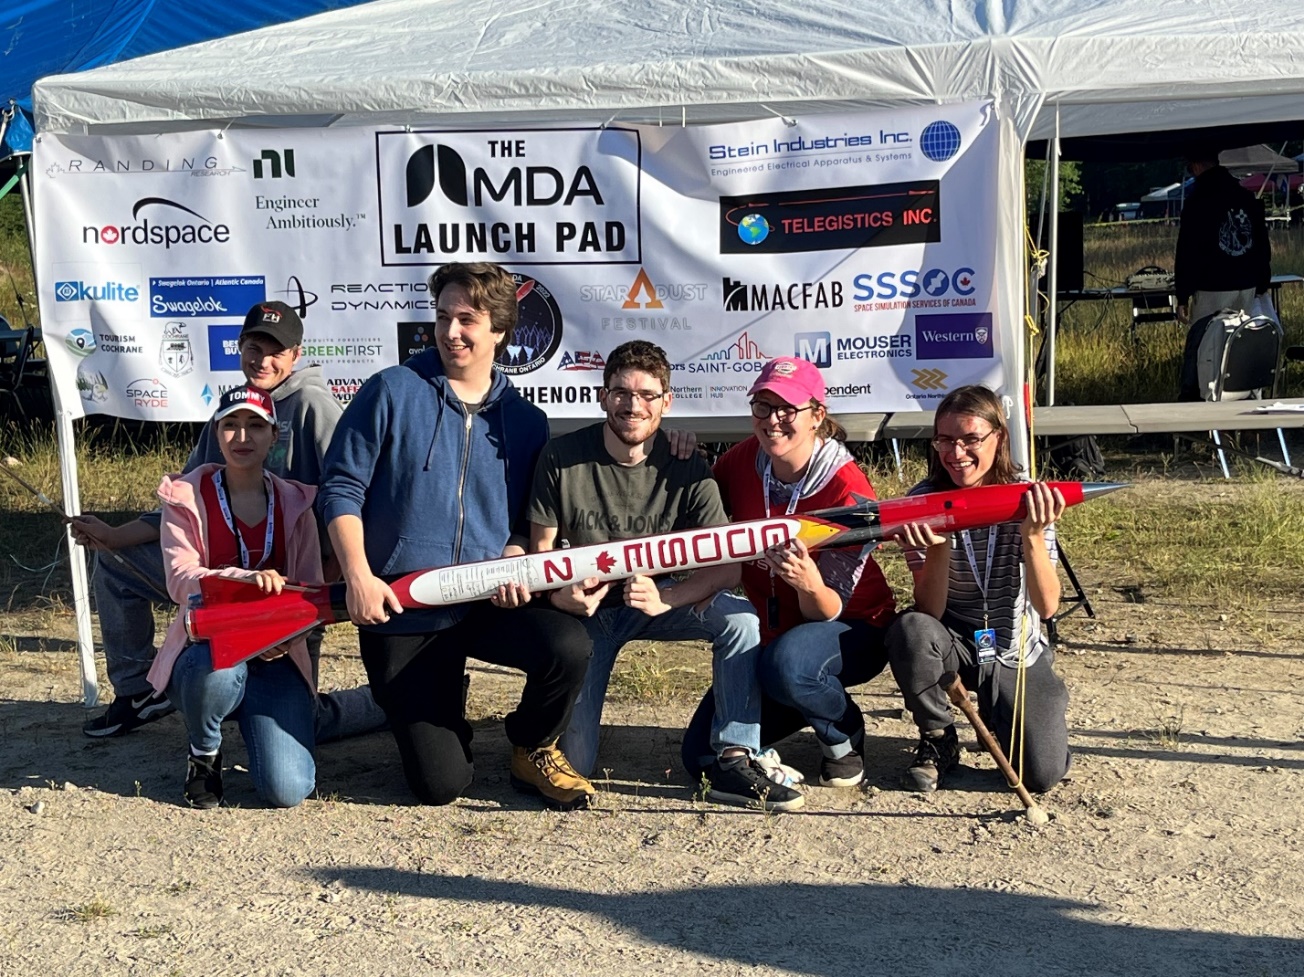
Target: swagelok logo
[[149, 232], [512, 197]]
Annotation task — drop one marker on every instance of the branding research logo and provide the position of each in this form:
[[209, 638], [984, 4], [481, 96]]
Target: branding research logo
[[536, 197], [149, 232], [176, 356], [538, 328]]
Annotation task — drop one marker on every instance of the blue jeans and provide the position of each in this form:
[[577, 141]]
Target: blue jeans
[[800, 669], [125, 604], [274, 707], [729, 622]]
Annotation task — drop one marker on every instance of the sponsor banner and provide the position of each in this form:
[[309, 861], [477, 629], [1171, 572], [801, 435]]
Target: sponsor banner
[[863, 242]]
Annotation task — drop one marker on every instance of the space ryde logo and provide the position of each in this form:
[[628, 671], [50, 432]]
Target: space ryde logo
[[541, 197]]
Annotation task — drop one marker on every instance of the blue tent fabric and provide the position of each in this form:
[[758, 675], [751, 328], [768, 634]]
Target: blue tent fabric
[[46, 37]]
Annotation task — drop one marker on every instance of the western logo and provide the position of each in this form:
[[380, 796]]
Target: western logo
[[176, 355], [276, 164], [538, 328], [522, 198], [957, 336], [780, 296], [151, 233], [218, 298], [832, 218]]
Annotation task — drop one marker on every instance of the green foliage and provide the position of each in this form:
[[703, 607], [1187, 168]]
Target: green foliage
[[1035, 183]]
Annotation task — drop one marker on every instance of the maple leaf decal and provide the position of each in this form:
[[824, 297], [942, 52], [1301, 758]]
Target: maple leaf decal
[[605, 562]]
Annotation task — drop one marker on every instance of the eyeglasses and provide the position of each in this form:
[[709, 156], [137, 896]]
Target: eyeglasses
[[620, 396], [761, 411], [969, 442]]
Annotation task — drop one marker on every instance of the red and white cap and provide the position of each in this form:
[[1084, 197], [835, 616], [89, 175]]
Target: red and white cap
[[796, 380], [246, 398]]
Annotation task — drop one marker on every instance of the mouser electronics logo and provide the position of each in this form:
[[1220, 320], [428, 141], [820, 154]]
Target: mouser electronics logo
[[821, 349], [154, 229], [538, 328], [832, 218], [542, 197]]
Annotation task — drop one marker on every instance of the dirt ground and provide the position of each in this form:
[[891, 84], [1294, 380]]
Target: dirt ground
[[1174, 848]]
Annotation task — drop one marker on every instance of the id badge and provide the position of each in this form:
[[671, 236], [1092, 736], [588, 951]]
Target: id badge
[[984, 640], [772, 613]]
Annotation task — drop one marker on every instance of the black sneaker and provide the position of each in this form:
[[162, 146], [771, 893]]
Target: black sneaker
[[845, 771], [848, 770], [126, 713], [204, 781], [934, 756], [740, 780]]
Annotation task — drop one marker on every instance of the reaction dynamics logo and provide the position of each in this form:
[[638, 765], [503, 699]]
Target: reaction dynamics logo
[[538, 328], [152, 233], [939, 141], [520, 198], [296, 296]]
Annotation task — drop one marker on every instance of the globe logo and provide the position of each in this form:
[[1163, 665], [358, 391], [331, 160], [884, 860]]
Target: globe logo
[[939, 141], [753, 229], [81, 341], [936, 282]]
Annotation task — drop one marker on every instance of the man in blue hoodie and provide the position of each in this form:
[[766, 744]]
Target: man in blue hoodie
[[432, 465]]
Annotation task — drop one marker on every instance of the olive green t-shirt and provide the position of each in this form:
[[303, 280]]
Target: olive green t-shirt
[[589, 498]]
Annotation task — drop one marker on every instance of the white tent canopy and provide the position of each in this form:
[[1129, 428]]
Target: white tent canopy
[[1099, 66]]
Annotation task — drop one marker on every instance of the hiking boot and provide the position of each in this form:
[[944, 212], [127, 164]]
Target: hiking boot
[[546, 771], [847, 770], [934, 756], [204, 781], [128, 712], [742, 781]]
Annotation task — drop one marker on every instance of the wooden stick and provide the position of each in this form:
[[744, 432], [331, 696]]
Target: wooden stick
[[960, 696]]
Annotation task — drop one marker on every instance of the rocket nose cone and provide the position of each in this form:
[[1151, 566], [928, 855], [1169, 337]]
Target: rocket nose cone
[[1091, 490]]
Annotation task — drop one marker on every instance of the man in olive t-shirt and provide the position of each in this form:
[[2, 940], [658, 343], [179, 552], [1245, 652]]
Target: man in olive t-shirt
[[618, 480]]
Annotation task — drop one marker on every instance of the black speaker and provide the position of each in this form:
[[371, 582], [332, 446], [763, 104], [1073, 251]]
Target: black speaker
[[1070, 260]]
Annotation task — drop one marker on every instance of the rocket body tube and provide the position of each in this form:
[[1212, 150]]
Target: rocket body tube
[[259, 617]]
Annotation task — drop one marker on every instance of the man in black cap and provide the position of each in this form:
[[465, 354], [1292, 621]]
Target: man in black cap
[[129, 584]]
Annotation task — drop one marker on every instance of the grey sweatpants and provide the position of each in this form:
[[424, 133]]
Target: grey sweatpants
[[921, 648]]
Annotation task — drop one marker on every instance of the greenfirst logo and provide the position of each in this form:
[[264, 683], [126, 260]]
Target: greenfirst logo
[[342, 349]]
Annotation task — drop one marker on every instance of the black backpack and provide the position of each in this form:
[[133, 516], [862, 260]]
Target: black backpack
[[1075, 458]]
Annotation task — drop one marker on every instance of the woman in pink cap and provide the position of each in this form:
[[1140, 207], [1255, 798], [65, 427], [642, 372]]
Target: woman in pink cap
[[239, 521], [823, 616]]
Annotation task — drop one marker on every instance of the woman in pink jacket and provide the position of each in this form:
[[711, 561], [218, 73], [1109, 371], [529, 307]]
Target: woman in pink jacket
[[242, 522]]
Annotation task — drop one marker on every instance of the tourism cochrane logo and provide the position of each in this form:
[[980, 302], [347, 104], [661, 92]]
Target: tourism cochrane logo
[[149, 232]]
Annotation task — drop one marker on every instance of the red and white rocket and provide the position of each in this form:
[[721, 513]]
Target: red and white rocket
[[240, 621]]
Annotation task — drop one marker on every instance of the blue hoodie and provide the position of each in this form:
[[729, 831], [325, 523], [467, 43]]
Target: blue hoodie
[[432, 484]]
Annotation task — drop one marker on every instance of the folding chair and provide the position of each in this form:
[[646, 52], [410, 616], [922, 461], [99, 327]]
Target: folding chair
[[15, 351], [1151, 307], [1251, 364]]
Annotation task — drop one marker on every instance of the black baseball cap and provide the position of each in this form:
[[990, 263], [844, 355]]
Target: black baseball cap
[[275, 319]]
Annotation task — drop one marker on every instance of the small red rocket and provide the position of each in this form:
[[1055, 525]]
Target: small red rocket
[[240, 621]]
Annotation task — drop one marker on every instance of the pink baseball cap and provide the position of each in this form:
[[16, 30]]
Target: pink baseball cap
[[246, 398], [796, 380]]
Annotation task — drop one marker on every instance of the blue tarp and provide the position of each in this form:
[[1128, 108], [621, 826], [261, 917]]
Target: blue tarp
[[49, 37]]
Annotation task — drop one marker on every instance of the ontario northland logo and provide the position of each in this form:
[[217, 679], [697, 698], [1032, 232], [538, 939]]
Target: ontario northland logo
[[538, 328], [151, 230], [542, 197]]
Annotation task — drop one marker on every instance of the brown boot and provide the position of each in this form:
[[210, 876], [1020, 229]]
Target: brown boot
[[546, 771]]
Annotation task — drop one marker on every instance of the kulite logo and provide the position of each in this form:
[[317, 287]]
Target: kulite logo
[[79, 291], [145, 231]]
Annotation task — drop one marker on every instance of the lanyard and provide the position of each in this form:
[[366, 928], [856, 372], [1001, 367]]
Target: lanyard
[[973, 564], [225, 504], [796, 490]]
